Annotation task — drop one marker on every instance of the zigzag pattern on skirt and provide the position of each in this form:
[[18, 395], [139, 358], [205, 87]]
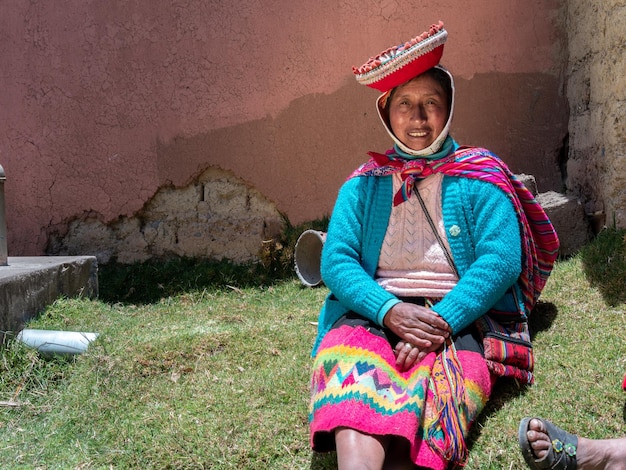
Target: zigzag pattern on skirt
[[367, 378], [355, 384]]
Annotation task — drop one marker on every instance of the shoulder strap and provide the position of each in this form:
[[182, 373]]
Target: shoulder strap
[[446, 252]]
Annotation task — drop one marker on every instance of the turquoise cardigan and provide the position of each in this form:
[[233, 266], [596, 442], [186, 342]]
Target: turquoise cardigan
[[484, 236]]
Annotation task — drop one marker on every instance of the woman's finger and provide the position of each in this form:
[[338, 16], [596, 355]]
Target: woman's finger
[[407, 354], [403, 350], [411, 358]]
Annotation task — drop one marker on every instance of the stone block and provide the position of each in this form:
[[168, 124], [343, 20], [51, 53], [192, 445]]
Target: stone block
[[529, 181], [569, 220]]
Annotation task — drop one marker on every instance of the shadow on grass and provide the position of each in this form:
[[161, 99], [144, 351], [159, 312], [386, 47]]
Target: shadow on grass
[[325, 461], [604, 263], [148, 282], [542, 317], [504, 390]]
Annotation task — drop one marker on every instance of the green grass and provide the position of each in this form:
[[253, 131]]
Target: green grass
[[203, 365]]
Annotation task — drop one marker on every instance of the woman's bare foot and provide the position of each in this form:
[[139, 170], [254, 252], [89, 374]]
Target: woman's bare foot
[[590, 454]]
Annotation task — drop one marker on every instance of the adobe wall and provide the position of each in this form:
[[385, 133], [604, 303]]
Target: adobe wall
[[596, 170], [147, 128]]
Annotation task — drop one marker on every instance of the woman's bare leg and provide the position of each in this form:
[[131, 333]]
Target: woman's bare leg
[[359, 451]]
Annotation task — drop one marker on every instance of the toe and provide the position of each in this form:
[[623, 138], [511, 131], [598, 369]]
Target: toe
[[537, 425], [539, 445]]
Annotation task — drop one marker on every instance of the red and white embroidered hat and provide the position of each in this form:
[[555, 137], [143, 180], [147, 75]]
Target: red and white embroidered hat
[[399, 64]]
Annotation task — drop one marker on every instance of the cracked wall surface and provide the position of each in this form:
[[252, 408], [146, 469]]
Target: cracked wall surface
[[596, 169], [216, 217], [106, 105]]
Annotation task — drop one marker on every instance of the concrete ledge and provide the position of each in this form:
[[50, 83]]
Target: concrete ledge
[[29, 284]]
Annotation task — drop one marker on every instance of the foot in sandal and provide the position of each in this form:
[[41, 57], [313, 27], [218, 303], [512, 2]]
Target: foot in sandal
[[546, 446]]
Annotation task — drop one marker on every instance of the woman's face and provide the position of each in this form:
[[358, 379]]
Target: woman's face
[[418, 112]]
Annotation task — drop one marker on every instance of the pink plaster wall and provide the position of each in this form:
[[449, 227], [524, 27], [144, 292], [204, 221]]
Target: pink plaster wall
[[102, 103]]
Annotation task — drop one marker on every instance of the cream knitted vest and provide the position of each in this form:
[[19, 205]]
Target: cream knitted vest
[[412, 263]]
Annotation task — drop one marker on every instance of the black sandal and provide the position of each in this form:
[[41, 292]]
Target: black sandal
[[562, 454]]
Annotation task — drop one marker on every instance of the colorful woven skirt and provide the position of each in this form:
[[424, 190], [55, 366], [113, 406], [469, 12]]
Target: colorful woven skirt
[[355, 384]]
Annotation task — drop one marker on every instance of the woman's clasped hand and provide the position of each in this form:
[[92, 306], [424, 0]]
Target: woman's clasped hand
[[420, 328]]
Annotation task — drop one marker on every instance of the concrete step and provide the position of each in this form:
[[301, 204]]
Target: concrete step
[[29, 284]]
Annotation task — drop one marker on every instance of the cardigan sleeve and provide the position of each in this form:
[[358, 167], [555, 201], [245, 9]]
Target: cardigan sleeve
[[343, 266], [484, 236]]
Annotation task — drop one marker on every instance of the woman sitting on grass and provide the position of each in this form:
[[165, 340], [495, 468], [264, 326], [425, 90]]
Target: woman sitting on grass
[[430, 246]]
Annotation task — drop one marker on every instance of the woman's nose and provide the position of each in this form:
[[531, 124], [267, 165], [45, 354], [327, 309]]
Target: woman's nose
[[418, 114]]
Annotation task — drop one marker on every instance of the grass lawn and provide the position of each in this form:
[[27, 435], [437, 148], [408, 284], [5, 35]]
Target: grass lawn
[[197, 367]]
